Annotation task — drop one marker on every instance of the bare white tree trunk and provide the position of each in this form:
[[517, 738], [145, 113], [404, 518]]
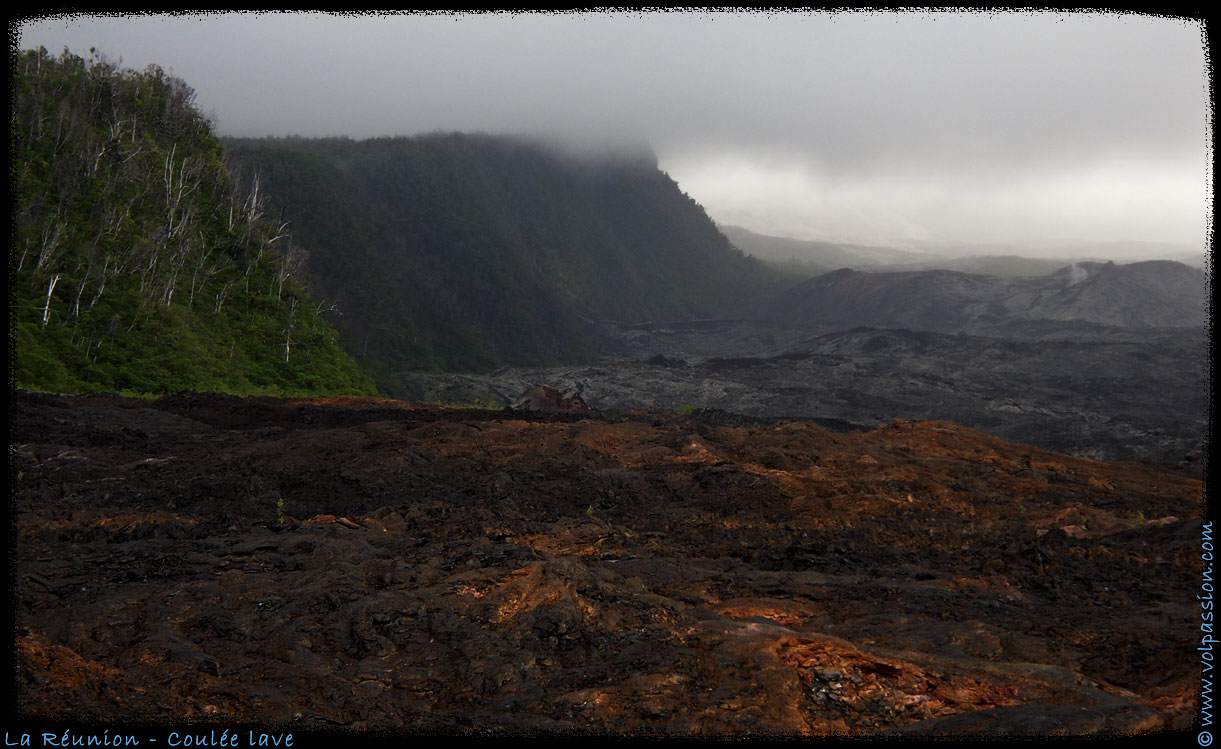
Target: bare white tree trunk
[[292, 323], [201, 269], [50, 243], [80, 289], [220, 297], [290, 262], [101, 284], [46, 310]]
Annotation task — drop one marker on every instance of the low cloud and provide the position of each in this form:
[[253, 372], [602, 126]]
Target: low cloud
[[874, 126]]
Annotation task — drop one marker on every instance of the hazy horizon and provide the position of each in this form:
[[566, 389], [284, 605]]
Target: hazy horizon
[[1068, 250], [908, 129]]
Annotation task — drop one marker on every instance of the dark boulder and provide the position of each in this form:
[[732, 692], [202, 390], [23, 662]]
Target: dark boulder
[[544, 398]]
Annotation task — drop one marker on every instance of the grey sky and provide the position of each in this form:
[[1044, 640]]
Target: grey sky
[[869, 127]]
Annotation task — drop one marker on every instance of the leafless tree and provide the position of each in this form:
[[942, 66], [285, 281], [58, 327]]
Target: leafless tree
[[46, 310], [290, 263], [292, 324]]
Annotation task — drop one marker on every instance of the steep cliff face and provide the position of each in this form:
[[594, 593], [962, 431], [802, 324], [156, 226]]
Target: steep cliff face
[[136, 262], [462, 252]]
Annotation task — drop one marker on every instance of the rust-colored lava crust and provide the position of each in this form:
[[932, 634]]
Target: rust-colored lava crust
[[372, 564]]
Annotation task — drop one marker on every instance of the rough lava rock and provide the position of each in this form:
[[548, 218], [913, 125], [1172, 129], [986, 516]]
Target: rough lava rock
[[379, 566]]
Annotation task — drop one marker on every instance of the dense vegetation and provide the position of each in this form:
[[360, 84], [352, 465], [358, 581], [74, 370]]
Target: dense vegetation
[[136, 264], [463, 252]]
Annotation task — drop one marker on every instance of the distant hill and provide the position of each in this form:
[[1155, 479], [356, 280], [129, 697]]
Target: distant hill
[[816, 254], [136, 264], [1005, 266], [812, 257], [1152, 294], [1192, 259], [1149, 294], [1068, 251], [467, 252]]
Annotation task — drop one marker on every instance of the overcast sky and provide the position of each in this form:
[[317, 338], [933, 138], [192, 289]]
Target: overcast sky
[[870, 127]]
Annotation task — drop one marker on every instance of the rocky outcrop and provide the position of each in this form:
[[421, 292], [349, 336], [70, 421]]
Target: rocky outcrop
[[544, 398]]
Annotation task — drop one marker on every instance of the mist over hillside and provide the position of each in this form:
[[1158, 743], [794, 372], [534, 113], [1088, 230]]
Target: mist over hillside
[[465, 252]]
